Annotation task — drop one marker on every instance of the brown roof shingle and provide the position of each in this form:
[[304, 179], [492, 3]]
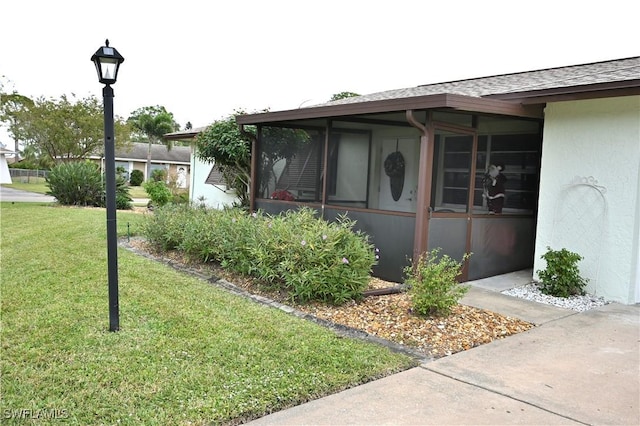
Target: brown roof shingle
[[551, 78]]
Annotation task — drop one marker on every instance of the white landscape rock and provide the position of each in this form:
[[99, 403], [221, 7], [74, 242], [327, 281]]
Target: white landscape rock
[[577, 303]]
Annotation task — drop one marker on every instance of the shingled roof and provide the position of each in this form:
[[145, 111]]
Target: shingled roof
[[159, 153], [517, 94], [620, 71]]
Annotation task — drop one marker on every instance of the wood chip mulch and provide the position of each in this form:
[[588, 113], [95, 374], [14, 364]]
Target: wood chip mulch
[[387, 317]]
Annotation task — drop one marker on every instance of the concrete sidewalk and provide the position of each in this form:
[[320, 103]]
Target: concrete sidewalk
[[20, 196], [573, 368], [17, 195]]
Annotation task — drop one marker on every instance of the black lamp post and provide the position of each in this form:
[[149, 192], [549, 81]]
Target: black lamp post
[[107, 61]]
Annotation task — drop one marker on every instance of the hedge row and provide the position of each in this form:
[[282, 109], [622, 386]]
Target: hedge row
[[310, 258]]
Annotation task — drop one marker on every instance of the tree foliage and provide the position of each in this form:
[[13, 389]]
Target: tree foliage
[[33, 159], [229, 148], [224, 145], [11, 106], [65, 129], [150, 124], [342, 95]]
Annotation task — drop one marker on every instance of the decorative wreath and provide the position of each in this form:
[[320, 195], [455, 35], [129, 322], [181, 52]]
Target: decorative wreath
[[394, 164]]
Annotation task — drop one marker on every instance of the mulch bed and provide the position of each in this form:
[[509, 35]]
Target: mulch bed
[[387, 317]]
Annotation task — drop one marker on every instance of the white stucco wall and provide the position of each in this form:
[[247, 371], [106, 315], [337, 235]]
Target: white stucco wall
[[213, 197], [597, 138], [5, 176]]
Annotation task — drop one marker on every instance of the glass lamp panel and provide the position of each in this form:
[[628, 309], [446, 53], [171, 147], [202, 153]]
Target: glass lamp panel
[[109, 68]]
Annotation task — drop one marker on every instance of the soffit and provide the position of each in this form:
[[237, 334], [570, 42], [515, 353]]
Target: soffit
[[371, 108]]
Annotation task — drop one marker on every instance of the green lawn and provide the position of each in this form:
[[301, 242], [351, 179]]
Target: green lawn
[[137, 192], [187, 352]]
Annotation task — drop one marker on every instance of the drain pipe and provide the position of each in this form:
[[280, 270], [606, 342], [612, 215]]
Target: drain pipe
[[385, 291], [421, 234]]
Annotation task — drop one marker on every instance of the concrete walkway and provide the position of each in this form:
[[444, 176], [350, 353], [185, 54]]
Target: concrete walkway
[[573, 368], [19, 196], [16, 195]]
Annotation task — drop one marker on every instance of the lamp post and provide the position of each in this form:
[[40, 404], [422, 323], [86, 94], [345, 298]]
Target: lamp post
[[107, 61]]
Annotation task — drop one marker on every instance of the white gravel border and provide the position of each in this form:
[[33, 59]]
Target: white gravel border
[[577, 303]]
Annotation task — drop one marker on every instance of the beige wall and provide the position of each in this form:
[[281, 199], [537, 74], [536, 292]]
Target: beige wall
[[142, 166]]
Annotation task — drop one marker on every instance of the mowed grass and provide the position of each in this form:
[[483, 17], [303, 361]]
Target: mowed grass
[[138, 192], [187, 352]]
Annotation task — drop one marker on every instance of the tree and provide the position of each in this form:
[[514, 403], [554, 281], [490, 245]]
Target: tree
[[342, 95], [223, 144], [12, 105], [32, 159], [65, 129], [152, 123]]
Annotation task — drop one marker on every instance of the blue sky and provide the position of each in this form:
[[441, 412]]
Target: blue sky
[[203, 60]]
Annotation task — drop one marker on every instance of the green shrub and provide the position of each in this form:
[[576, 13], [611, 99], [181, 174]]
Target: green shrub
[[159, 175], [433, 285], [136, 178], [123, 199], [179, 197], [76, 184], [315, 259], [165, 228], [159, 192], [561, 277], [80, 184], [201, 238], [310, 258]]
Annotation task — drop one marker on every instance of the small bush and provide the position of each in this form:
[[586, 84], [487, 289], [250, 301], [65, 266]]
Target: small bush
[[159, 175], [165, 229], [313, 258], [76, 184], [80, 184], [561, 277], [179, 197], [433, 285], [123, 199], [159, 192], [137, 177], [202, 240]]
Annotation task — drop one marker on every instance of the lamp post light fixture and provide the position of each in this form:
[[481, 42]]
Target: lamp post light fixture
[[107, 61]]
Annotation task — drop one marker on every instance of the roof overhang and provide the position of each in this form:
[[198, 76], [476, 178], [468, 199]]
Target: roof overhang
[[184, 135], [440, 101]]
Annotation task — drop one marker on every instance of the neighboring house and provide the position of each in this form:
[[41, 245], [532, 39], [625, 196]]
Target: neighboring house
[[206, 182], [410, 167], [5, 176], [176, 161]]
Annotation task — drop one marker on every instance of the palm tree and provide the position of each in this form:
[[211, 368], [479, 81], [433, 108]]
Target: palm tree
[[152, 123]]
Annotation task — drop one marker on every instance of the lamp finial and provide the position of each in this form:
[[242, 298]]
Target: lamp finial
[[106, 42]]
